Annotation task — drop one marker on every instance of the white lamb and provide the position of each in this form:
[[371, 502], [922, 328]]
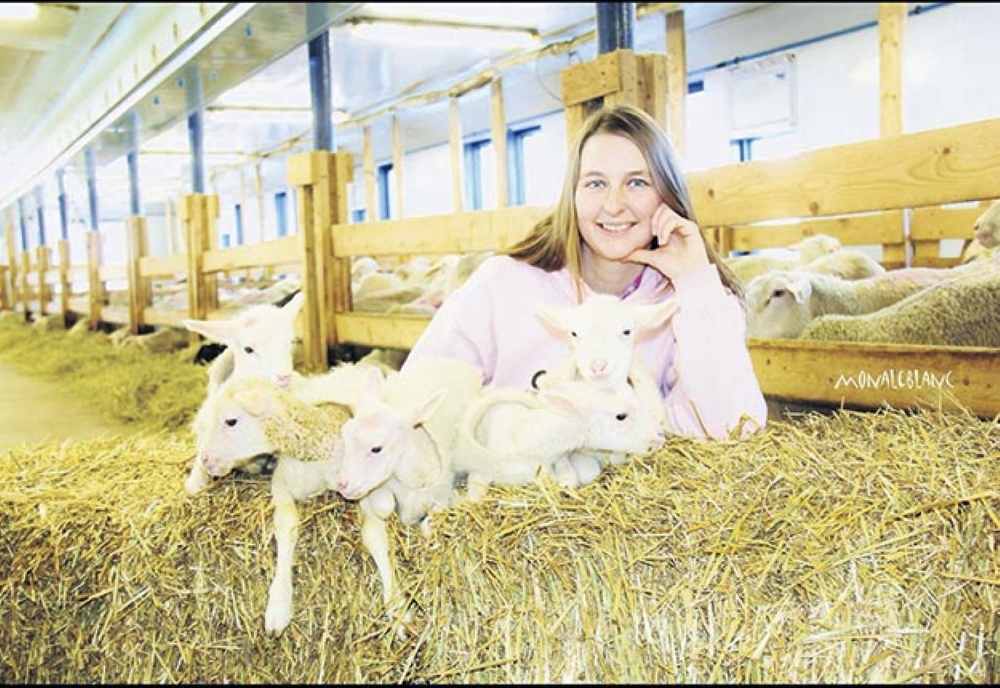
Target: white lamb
[[513, 436], [259, 341], [398, 452], [602, 333], [250, 416], [781, 303], [961, 311], [798, 254], [985, 234]]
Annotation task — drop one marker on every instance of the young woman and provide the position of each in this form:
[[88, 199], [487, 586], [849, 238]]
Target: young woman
[[623, 225]]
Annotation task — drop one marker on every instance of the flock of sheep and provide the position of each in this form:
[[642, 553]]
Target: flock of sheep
[[823, 292], [417, 439]]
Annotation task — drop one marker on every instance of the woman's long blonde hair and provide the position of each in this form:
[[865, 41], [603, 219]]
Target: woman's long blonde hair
[[555, 241]]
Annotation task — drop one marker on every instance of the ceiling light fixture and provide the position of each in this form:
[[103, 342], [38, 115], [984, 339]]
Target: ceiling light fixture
[[19, 11]]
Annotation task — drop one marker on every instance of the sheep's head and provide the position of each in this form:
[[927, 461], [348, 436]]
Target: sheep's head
[[603, 330], [987, 228], [778, 305], [261, 338], [379, 443], [617, 421], [229, 429]]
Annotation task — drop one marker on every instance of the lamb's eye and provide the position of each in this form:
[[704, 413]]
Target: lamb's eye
[[572, 333], [778, 293], [230, 422], [376, 450], [627, 332], [248, 349], [621, 416]]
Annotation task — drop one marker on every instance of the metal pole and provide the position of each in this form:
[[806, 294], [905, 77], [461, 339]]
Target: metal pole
[[615, 26], [95, 218], [196, 126], [133, 166], [319, 83], [40, 206], [63, 204]]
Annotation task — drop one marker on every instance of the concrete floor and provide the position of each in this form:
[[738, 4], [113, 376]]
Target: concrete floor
[[34, 410]]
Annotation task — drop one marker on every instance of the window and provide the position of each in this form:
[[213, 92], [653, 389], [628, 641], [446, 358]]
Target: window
[[516, 167], [473, 161]]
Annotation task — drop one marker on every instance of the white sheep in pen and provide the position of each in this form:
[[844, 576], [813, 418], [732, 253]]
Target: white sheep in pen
[[514, 437], [985, 234], [798, 254], [250, 416], [961, 311], [781, 303], [399, 452], [258, 341]]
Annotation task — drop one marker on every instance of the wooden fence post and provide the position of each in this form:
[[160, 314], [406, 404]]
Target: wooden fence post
[[621, 76], [320, 179], [138, 288], [198, 213]]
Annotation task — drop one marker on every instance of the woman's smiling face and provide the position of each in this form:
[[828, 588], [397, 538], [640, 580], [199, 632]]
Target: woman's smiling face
[[615, 197]]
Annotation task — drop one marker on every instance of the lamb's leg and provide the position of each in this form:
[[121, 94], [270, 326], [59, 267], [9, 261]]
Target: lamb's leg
[[563, 472], [286, 527], [586, 466], [375, 536], [197, 479]]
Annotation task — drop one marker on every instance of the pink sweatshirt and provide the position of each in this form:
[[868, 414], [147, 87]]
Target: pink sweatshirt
[[699, 358]]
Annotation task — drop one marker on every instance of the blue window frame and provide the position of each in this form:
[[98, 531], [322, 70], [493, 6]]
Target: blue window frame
[[472, 159], [515, 163]]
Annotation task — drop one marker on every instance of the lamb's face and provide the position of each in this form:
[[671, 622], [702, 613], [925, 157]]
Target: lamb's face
[[619, 423], [602, 332], [778, 305], [262, 344], [227, 436], [374, 439]]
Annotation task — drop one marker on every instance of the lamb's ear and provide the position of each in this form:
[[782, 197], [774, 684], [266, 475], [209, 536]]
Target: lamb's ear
[[294, 305], [216, 330], [420, 412], [254, 399], [564, 396], [656, 314], [555, 317], [800, 288], [369, 387]]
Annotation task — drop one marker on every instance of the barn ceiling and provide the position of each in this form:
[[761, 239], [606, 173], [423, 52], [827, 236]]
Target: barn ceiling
[[107, 76]]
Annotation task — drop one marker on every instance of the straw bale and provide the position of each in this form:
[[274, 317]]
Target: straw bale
[[848, 547], [125, 385]]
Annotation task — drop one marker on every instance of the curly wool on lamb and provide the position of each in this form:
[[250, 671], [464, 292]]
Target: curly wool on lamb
[[957, 312], [307, 432]]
